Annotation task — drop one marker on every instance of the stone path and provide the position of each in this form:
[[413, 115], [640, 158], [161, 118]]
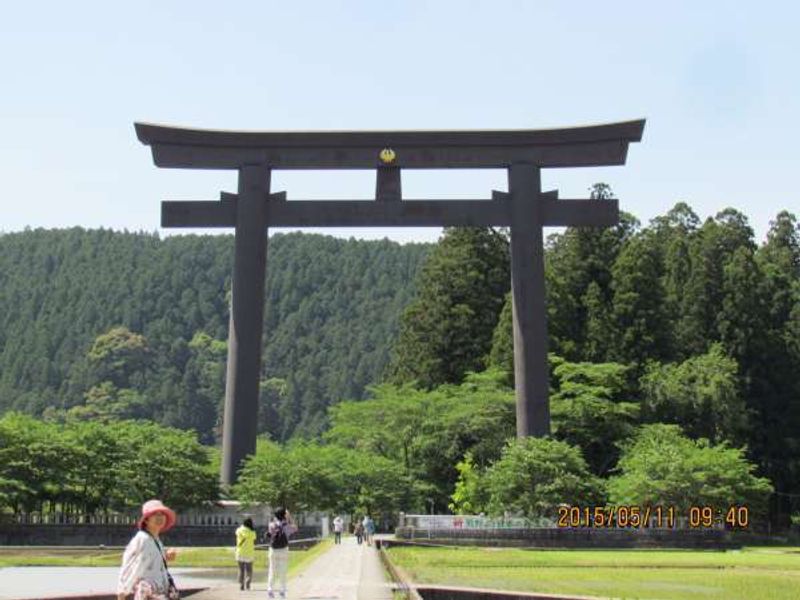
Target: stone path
[[345, 572]]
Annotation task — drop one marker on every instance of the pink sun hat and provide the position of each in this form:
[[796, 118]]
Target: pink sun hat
[[152, 507]]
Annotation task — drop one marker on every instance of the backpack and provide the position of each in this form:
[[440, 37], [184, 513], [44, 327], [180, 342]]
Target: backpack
[[278, 539]]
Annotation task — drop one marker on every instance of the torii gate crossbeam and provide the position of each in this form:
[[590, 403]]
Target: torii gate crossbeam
[[525, 209]]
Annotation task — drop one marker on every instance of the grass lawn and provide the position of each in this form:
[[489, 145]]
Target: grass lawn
[[763, 573], [112, 557]]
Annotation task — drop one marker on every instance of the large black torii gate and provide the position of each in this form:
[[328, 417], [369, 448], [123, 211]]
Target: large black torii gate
[[525, 209]]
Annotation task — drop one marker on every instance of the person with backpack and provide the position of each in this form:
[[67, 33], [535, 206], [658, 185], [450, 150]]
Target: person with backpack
[[245, 552], [281, 528]]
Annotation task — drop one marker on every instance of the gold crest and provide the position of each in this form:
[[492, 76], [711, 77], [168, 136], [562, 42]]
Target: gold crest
[[387, 156]]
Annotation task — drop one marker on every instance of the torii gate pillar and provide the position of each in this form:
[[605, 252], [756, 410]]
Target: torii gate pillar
[[240, 422], [528, 302]]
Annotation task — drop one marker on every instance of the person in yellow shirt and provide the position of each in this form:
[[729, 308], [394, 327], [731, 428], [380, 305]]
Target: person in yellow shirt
[[245, 552]]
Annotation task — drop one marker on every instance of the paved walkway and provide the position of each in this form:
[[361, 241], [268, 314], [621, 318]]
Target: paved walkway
[[53, 582], [345, 572]]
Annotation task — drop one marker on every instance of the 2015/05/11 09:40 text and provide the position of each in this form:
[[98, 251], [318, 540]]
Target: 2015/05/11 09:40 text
[[657, 516]]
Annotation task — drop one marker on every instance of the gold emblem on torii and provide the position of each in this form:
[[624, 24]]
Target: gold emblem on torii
[[387, 156]]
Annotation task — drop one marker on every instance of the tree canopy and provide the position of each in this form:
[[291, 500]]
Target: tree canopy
[[86, 467], [661, 466], [534, 476], [447, 329]]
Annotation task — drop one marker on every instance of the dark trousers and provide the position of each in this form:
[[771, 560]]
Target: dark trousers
[[337, 537], [245, 574]]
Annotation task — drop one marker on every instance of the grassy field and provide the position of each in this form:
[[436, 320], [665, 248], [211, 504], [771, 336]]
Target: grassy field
[[186, 557], [752, 573]]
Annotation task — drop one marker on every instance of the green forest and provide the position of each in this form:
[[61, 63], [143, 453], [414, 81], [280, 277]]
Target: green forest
[[388, 380], [102, 324]]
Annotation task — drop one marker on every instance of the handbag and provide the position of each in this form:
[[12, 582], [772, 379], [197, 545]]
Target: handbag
[[172, 592]]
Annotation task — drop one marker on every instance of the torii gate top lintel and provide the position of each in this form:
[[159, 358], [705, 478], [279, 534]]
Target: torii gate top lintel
[[595, 145]]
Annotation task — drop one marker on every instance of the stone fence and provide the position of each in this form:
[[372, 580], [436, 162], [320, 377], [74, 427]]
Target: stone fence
[[59, 518], [101, 534], [573, 538]]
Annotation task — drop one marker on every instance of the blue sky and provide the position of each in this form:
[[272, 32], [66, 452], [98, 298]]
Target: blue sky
[[719, 85]]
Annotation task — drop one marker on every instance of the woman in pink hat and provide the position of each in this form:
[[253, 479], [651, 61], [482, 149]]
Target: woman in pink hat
[[144, 565]]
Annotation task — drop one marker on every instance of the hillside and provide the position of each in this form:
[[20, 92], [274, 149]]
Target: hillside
[[331, 314]]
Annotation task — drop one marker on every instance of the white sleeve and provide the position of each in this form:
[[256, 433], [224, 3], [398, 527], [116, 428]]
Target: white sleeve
[[131, 571]]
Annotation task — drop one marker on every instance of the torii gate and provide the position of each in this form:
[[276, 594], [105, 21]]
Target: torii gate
[[525, 209]]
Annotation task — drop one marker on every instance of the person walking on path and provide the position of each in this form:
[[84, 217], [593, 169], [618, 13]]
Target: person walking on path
[[369, 529], [144, 570], [358, 531], [281, 528], [245, 552], [338, 526]]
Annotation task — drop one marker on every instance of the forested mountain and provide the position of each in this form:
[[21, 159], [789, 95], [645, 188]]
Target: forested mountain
[[103, 324], [674, 353]]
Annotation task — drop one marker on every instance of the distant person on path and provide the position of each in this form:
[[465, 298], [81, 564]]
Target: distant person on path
[[358, 531], [245, 552], [144, 564], [338, 526], [369, 529], [281, 528]]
